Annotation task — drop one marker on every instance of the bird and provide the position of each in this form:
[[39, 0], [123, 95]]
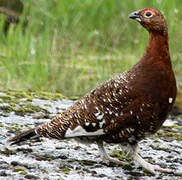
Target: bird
[[128, 107]]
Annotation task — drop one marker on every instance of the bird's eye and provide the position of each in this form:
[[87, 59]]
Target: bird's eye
[[148, 14]]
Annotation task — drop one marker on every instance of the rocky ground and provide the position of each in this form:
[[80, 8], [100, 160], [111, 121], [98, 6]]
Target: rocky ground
[[52, 159]]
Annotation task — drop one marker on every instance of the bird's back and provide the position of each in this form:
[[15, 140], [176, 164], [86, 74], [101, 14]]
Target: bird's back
[[125, 108]]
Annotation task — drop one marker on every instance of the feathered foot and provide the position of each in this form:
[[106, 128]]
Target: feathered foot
[[150, 167], [147, 166], [105, 158]]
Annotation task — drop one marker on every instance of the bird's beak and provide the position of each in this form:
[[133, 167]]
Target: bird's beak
[[135, 15]]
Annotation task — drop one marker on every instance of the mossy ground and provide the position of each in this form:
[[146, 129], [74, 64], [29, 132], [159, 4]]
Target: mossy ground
[[20, 102]]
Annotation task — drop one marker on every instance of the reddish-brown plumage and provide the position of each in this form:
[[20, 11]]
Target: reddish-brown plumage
[[129, 106]]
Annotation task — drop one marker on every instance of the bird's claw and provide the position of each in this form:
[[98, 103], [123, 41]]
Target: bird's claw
[[156, 168]]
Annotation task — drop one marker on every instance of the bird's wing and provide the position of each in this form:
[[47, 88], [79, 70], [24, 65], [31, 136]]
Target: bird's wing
[[105, 109]]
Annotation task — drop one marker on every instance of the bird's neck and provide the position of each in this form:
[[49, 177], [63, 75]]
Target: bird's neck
[[158, 47]]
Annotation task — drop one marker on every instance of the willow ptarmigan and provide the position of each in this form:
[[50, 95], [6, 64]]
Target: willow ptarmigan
[[126, 108]]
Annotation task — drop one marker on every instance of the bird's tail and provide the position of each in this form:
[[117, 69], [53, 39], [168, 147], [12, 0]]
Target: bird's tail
[[23, 136]]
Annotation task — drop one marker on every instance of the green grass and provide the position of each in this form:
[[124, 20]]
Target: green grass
[[71, 46]]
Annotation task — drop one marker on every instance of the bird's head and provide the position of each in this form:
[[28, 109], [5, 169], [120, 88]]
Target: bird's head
[[151, 19]]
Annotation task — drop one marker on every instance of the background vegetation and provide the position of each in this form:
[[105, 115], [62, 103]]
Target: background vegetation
[[70, 46]]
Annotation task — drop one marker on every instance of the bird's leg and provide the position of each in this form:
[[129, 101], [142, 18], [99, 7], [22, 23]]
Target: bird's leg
[[105, 157], [149, 167]]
